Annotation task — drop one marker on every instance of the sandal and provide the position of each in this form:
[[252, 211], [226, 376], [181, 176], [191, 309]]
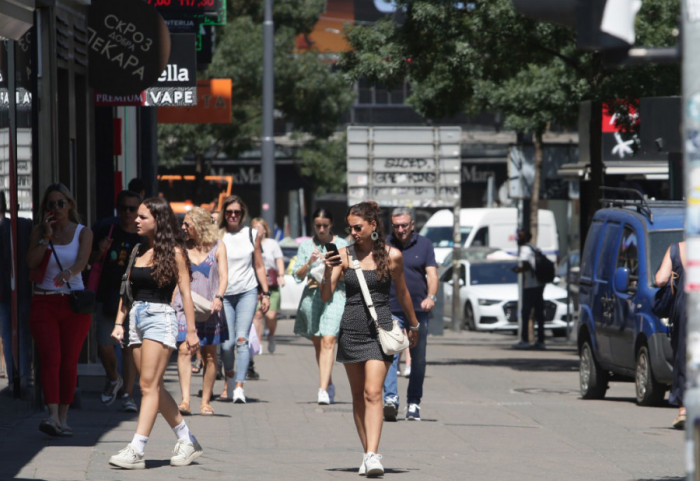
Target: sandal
[[206, 410], [50, 426], [196, 366], [184, 408]]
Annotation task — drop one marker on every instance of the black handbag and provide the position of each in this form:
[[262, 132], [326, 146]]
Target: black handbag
[[664, 298], [81, 302], [125, 287]]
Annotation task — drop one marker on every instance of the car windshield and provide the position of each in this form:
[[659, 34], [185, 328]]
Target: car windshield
[[658, 244], [442, 236], [493, 273]]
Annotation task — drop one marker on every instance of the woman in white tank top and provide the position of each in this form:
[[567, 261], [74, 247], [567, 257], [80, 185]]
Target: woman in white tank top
[[246, 271], [59, 332]]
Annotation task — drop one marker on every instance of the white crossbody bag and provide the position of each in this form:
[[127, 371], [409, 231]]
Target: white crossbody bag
[[393, 341]]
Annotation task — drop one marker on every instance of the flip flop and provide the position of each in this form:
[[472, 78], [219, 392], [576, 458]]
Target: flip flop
[[50, 427], [184, 408], [206, 410], [196, 366]]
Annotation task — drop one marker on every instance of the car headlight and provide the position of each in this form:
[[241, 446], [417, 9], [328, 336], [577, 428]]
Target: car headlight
[[488, 302]]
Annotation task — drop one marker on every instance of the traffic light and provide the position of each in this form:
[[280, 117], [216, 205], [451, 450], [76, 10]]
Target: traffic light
[[599, 24]]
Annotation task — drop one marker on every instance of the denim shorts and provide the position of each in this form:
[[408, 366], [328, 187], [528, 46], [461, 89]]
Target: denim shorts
[[152, 320]]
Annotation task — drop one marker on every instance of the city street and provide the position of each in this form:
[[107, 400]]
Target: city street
[[489, 413]]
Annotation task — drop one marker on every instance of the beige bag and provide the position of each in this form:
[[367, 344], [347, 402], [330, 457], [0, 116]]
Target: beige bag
[[202, 307]]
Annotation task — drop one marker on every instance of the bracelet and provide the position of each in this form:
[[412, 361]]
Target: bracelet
[[415, 328], [70, 272], [433, 298], [266, 294], [118, 324]]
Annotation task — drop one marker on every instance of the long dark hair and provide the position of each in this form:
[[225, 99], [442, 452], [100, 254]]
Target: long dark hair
[[370, 211], [168, 236]]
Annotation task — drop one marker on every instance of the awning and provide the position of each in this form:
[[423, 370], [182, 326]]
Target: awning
[[645, 169], [16, 17]]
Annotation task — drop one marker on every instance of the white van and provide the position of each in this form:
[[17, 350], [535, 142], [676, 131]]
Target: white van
[[493, 227]]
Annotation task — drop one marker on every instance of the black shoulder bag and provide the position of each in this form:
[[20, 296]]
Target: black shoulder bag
[[125, 287], [81, 302]]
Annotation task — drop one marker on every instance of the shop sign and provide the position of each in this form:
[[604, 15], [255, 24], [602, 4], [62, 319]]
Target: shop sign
[[213, 105], [128, 46]]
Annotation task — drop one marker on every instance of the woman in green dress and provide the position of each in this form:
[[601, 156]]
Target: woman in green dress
[[315, 319]]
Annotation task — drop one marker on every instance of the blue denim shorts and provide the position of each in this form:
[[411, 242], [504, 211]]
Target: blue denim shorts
[[152, 320]]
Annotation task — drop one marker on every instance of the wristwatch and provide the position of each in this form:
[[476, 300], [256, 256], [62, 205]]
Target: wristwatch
[[42, 241], [266, 293], [415, 328], [219, 297], [433, 298]]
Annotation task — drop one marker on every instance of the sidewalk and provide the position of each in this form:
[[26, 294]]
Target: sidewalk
[[489, 413]]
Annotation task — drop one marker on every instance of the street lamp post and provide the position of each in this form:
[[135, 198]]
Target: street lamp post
[[268, 105]]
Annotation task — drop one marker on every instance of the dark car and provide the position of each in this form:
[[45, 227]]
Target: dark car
[[618, 334]]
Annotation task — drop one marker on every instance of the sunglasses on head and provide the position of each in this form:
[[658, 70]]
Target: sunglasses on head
[[129, 208], [233, 212], [51, 205]]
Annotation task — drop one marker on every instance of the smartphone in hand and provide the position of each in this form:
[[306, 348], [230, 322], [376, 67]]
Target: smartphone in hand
[[331, 248]]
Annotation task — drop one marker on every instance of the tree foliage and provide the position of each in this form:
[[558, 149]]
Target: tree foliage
[[482, 55], [309, 95]]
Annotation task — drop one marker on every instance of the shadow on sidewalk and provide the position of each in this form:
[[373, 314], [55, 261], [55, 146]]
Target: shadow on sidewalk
[[21, 440], [533, 364]]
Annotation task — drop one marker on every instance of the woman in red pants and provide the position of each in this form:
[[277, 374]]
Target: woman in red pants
[[59, 332]]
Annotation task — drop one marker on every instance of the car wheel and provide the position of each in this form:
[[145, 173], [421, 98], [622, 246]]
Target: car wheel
[[593, 381], [649, 391], [469, 320]]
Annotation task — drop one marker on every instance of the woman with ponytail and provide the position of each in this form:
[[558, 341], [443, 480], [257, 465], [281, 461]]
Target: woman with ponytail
[[358, 345]]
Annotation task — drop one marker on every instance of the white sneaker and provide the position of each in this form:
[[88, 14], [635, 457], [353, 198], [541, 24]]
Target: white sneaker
[[323, 397], [185, 452], [413, 412], [239, 395], [128, 458], [331, 393], [407, 371], [373, 465], [363, 471]]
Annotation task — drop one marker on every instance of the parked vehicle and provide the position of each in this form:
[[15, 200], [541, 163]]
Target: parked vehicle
[[618, 334], [567, 274], [492, 227], [489, 293], [474, 253]]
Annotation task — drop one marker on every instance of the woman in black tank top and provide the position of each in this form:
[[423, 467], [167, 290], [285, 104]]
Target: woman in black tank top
[[162, 265]]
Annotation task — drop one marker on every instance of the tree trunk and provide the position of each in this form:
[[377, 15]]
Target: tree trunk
[[534, 207]]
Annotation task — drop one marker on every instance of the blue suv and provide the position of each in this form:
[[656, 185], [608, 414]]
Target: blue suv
[[618, 334]]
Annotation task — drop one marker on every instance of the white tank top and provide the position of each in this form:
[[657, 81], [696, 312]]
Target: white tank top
[[67, 254], [239, 253]]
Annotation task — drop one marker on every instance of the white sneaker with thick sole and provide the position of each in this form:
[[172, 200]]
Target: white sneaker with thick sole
[[413, 412], [128, 458], [239, 395], [373, 465], [185, 452], [323, 397]]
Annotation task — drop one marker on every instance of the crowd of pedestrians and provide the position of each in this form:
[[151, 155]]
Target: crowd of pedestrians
[[196, 286]]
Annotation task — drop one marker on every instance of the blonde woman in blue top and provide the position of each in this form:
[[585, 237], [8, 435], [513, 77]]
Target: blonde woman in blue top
[[317, 320]]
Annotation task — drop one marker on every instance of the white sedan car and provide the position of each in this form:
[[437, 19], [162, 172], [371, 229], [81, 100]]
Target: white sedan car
[[489, 296]]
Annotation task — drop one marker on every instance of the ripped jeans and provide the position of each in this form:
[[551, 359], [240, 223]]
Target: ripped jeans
[[239, 310]]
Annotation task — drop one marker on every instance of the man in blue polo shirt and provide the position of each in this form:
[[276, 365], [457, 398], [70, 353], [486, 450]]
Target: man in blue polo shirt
[[420, 272]]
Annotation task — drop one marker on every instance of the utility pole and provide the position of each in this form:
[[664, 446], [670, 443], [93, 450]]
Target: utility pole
[[690, 13], [268, 105]]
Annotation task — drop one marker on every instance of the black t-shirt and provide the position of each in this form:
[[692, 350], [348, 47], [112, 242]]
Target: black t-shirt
[[115, 263]]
